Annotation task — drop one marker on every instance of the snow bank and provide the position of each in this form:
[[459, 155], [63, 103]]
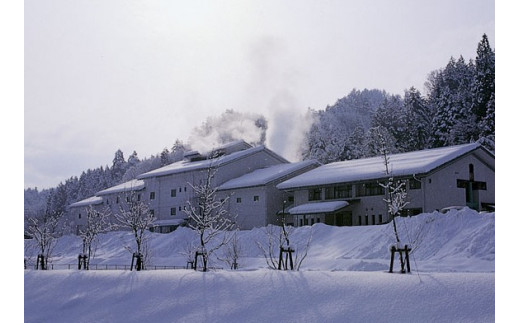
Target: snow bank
[[458, 241]]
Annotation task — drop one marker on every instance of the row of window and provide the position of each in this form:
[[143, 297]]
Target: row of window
[[362, 189], [256, 198]]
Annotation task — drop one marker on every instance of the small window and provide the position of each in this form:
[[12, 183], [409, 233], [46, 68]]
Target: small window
[[117, 200], [380, 218], [138, 197], [314, 194], [173, 211], [256, 198], [128, 199], [152, 195], [290, 199], [239, 200], [184, 188], [79, 216], [173, 193], [414, 184], [180, 208], [180, 189], [152, 212]]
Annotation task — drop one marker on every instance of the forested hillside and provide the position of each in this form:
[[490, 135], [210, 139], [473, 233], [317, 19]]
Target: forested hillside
[[458, 106]]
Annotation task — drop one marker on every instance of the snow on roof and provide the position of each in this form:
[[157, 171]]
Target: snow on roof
[[88, 201], [318, 207], [417, 162], [266, 175], [133, 185], [185, 166]]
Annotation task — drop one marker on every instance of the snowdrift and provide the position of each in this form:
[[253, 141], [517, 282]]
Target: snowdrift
[[461, 241]]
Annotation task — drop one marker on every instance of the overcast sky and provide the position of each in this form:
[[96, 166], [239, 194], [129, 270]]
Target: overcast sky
[[137, 75]]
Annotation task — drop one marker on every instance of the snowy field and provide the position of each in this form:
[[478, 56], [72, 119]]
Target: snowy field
[[344, 278]]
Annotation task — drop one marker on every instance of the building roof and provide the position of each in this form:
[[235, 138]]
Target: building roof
[[186, 166], [94, 200], [404, 164], [133, 185], [266, 175], [318, 207]]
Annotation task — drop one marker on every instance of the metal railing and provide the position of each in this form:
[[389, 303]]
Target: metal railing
[[32, 266]]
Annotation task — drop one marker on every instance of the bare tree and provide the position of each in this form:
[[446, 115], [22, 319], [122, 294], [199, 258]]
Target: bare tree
[[97, 222], [209, 218], [278, 240], [233, 251], [43, 227], [396, 195], [135, 215]]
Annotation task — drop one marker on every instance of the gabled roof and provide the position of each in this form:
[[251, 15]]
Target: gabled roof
[[133, 185], [186, 166], [404, 164], [94, 200], [266, 175]]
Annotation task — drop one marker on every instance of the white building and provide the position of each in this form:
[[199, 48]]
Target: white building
[[167, 190], [349, 192], [254, 198]]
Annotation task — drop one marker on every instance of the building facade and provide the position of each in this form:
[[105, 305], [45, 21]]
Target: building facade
[[351, 192]]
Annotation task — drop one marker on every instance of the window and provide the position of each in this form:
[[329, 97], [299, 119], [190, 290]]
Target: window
[[138, 197], [180, 208], [128, 199], [239, 200], [117, 199], [414, 184], [152, 195], [173, 211], [314, 194], [380, 218], [173, 193], [370, 189], [79, 216], [256, 198], [152, 212], [290, 199], [338, 192], [373, 219]]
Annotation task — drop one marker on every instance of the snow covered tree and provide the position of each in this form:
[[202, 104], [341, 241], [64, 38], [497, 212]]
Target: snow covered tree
[[208, 217], [395, 191], [97, 222], [451, 96], [119, 167], [135, 215], [484, 88], [417, 121], [43, 227]]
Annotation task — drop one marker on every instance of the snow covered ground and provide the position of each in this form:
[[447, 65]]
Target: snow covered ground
[[344, 278]]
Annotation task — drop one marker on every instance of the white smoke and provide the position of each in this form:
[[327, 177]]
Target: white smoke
[[227, 127], [288, 126]]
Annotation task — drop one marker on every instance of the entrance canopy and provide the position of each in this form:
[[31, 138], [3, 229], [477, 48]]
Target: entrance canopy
[[318, 207]]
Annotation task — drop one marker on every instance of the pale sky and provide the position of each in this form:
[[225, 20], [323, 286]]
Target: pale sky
[[137, 75]]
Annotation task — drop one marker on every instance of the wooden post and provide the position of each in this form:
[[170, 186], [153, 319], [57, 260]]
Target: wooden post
[[132, 265], [406, 249], [392, 251], [280, 259]]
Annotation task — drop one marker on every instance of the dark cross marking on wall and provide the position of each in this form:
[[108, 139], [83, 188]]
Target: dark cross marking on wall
[[471, 186]]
